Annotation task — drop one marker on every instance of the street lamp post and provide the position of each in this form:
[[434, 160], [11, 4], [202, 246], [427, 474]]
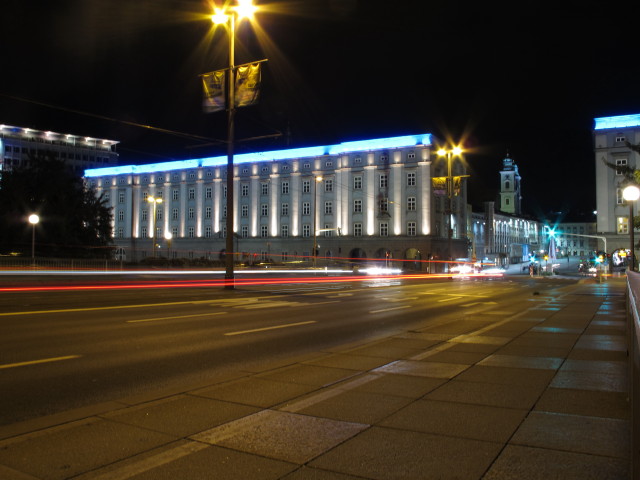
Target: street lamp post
[[168, 236], [245, 8], [449, 153], [33, 220], [317, 180], [154, 201], [631, 194]]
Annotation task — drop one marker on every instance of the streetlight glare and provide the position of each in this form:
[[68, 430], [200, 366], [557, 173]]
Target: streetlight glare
[[457, 150], [245, 9], [219, 17], [442, 152], [631, 193], [33, 219]]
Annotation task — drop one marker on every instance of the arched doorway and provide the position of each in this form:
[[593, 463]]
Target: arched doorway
[[416, 257]]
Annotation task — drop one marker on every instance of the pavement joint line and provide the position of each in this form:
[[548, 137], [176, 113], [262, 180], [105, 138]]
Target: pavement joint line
[[401, 307], [144, 465]]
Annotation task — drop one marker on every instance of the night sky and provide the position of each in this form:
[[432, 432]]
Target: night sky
[[527, 79]]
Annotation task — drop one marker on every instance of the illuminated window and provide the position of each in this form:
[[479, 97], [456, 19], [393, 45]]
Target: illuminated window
[[328, 185], [357, 206], [384, 229], [383, 180], [328, 208], [357, 182], [623, 225]]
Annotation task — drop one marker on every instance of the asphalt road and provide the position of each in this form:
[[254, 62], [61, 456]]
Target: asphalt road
[[67, 349]]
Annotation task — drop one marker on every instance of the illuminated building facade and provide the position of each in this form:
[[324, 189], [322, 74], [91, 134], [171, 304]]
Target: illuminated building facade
[[17, 144], [611, 135], [369, 199], [510, 194]]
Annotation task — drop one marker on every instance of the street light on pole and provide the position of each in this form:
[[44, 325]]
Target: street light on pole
[[631, 194], [317, 180], [33, 220], [155, 201], [449, 154], [228, 16]]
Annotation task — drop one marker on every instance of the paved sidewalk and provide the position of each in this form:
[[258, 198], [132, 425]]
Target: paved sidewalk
[[537, 393]]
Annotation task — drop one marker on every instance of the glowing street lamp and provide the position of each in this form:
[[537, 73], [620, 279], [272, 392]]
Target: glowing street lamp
[[228, 16], [33, 220], [449, 154], [631, 194], [168, 236], [155, 201]]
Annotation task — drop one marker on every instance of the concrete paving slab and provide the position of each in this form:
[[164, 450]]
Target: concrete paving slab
[[308, 473], [281, 435], [603, 342], [407, 386], [386, 352], [460, 358], [483, 339], [534, 351], [210, 462], [76, 448], [7, 473], [312, 375], [181, 415], [590, 381], [356, 407], [593, 366], [517, 462], [474, 348], [585, 402], [575, 433], [546, 340], [478, 422], [508, 376], [517, 361], [423, 369], [350, 361], [602, 355], [390, 454], [492, 394], [254, 391]]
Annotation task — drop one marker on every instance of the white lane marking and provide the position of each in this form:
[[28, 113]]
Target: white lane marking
[[175, 316], [264, 329], [390, 309], [36, 362]]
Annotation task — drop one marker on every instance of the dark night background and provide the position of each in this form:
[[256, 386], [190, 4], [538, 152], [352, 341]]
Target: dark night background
[[527, 79]]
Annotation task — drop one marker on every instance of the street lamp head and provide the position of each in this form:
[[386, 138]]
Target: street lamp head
[[34, 219], [457, 150], [151, 199], [168, 235], [245, 9], [631, 193], [319, 178], [219, 17], [442, 152]]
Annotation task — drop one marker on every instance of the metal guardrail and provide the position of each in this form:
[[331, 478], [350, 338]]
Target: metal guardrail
[[8, 263], [633, 325]]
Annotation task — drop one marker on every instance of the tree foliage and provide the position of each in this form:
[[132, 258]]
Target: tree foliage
[[74, 222]]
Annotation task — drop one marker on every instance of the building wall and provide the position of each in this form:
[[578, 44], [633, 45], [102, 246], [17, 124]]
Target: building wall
[[375, 198], [80, 153], [610, 137]]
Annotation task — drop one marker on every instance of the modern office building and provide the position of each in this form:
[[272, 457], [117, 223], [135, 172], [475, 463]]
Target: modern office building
[[19, 144], [360, 199], [611, 135]]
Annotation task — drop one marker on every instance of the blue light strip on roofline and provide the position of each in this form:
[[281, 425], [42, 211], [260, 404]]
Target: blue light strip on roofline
[[276, 155], [620, 121]]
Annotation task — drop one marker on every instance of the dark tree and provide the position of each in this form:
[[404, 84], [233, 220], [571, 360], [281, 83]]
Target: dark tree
[[73, 221]]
